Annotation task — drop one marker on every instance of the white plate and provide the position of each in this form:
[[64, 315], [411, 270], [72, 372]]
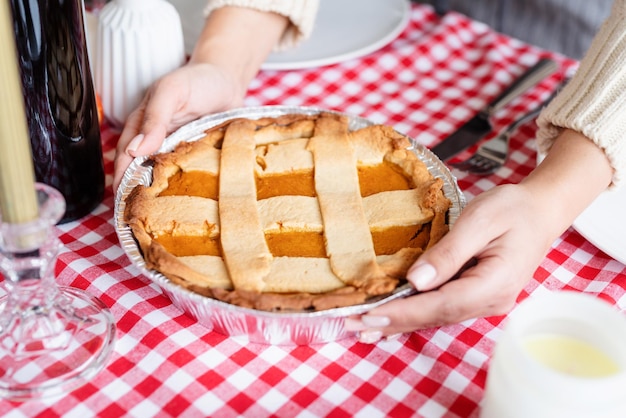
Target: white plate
[[344, 29], [603, 224]]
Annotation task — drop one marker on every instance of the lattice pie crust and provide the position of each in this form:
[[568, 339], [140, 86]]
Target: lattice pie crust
[[290, 213]]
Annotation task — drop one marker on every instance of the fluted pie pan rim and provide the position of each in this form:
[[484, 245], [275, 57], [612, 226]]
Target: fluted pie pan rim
[[261, 326]]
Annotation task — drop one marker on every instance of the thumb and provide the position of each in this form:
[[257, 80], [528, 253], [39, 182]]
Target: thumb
[[454, 252], [153, 118]]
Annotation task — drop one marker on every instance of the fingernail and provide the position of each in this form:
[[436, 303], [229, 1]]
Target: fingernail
[[375, 321], [134, 143], [393, 337], [422, 276], [370, 337], [350, 324]]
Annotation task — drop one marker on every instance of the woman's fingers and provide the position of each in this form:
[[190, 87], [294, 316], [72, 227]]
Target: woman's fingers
[[131, 129], [148, 125], [496, 244], [486, 289], [470, 235]]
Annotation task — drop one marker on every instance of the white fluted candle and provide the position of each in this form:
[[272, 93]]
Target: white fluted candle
[[18, 199]]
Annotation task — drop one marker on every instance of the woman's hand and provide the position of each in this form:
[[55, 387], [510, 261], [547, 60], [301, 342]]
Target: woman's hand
[[496, 244], [500, 239], [224, 61], [181, 96]]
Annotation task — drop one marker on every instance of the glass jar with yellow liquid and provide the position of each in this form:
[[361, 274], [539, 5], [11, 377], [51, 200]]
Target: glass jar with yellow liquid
[[562, 354]]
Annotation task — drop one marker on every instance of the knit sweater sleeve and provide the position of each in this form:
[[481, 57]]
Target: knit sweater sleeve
[[594, 101], [301, 14]]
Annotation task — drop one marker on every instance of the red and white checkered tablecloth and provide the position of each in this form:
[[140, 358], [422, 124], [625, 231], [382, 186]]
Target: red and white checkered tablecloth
[[435, 76]]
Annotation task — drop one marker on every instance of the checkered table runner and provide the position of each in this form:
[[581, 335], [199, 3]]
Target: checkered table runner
[[435, 76]]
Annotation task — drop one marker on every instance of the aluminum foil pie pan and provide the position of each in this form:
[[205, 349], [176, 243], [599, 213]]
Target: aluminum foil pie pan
[[278, 328]]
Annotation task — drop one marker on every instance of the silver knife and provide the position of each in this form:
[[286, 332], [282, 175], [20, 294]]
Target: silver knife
[[479, 126]]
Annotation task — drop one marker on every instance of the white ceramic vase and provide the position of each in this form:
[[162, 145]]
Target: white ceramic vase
[[138, 42]]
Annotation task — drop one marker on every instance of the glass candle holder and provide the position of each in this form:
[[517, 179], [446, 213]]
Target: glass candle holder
[[562, 354], [52, 338]]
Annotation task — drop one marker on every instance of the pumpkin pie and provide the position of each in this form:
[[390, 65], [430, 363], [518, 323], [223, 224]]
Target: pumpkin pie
[[292, 213]]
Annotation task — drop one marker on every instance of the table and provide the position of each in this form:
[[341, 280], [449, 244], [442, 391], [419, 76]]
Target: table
[[426, 83]]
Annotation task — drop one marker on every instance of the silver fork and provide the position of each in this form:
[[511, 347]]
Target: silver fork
[[493, 154]]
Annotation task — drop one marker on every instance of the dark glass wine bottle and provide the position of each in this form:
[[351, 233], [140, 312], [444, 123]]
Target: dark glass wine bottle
[[60, 101]]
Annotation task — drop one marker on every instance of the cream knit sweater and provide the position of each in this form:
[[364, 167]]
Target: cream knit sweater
[[593, 102], [301, 14]]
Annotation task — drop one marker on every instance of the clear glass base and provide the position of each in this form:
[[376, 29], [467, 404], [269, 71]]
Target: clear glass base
[[75, 344], [52, 339]]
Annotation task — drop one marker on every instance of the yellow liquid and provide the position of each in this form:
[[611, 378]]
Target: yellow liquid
[[571, 356]]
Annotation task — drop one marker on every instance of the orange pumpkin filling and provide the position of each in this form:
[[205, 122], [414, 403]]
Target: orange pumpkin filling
[[181, 246], [381, 178], [372, 180], [296, 244], [299, 243], [193, 183], [299, 183]]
